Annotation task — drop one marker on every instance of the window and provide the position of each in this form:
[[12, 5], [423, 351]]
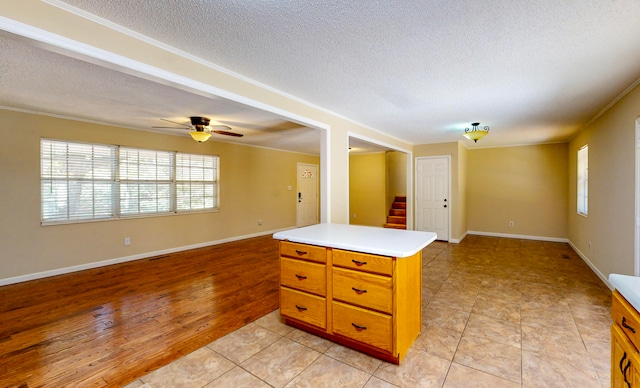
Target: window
[[583, 180], [81, 182], [146, 181], [78, 181], [197, 181]]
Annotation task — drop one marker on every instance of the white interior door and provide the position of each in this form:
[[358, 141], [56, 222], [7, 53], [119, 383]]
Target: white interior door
[[307, 195], [432, 196]]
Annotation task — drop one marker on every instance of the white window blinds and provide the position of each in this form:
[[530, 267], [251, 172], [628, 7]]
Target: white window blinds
[[78, 181], [81, 182], [146, 181], [196, 181]]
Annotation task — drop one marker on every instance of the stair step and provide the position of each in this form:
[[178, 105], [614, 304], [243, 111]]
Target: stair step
[[398, 212], [400, 198], [395, 226], [397, 220], [399, 205]]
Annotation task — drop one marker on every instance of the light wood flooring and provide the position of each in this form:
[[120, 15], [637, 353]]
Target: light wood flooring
[[496, 312]]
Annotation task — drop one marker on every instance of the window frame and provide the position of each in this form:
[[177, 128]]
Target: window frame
[[120, 179]]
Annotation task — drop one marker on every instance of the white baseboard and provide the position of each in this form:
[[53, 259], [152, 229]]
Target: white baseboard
[[458, 240], [118, 260], [519, 236], [593, 267]]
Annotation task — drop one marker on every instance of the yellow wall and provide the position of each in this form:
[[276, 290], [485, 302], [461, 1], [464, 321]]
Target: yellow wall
[[367, 188], [526, 185], [609, 225], [253, 186]]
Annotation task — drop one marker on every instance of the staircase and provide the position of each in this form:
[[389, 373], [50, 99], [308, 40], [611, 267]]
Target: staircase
[[397, 218]]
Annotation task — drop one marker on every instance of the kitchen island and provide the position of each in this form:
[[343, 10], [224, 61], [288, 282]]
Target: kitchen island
[[356, 285]]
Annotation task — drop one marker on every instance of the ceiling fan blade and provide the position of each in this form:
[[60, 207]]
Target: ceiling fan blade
[[227, 133], [170, 128], [184, 125]]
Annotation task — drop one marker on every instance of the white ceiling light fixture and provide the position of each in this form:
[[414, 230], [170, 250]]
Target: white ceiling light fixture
[[474, 133]]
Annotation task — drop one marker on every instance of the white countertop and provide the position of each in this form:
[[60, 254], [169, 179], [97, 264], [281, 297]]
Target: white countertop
[[628, 287], [366, 239]]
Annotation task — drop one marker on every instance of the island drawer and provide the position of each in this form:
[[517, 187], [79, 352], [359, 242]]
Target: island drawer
[[363, 262], [363, 325], [303, 307], [363, 289], [304, 275], [626, 317], [303, 251]]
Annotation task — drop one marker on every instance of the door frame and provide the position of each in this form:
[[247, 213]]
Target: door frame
[[416, 196]]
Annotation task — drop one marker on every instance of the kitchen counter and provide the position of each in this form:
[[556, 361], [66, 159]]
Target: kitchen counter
[[628, 287], [379, 241]]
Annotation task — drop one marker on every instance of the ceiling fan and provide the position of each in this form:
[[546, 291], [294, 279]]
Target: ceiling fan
[[201, 130]]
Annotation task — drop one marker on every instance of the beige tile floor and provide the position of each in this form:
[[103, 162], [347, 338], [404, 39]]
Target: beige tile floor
[[496, 313]]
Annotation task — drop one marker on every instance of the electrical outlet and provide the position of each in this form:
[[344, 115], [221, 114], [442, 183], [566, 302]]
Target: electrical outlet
[[127, 241], [511, 223], [259, 222], [354, 215]]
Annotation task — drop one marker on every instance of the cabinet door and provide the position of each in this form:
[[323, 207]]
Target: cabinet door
[[623, 358]]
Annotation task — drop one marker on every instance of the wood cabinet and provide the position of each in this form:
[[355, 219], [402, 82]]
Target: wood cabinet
[[625, 338], [364, 301]]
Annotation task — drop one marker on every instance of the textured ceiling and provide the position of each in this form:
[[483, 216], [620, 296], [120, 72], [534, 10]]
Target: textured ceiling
[[534, 71]]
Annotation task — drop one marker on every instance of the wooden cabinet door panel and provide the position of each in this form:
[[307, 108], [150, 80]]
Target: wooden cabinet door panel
[[303, 251], [363, 325], [363, 262], [303, 307], [362, 289], [304, 275]]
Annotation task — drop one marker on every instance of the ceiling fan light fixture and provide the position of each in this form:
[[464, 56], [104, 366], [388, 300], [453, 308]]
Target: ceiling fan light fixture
[[200, 136], [474, 133]]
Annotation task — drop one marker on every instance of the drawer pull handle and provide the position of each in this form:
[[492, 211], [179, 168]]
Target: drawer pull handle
[[624, 373], [359, 263], [301, 308], [300, 277], [624, 357], [358, 327], [358, 291], [624, 324], [301, 253]]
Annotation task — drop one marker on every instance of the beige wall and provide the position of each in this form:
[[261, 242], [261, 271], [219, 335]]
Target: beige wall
[[253, 186], [526, 185], [609, 225], [367, 183]]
